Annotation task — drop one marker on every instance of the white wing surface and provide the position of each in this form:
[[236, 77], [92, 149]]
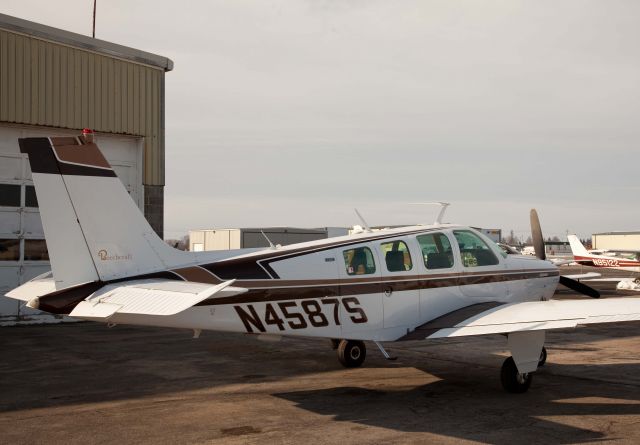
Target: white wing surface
[[529, 316]]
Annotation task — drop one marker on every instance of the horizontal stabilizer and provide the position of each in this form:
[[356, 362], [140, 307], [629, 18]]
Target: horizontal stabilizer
[[41, 285], [149, 297]]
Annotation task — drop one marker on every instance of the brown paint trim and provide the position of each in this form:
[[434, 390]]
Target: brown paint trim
[[449, 320], [331, 288], [88, 155], [64, 300], [197, 274], [64, 140], [42, 159], [470, 277]]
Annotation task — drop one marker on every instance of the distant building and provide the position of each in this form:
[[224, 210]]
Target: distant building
[[228, 239], [616, 240]]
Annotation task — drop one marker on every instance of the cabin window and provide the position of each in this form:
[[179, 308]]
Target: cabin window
[[396, 256], [436, 251], [359, 261], [473, 250]]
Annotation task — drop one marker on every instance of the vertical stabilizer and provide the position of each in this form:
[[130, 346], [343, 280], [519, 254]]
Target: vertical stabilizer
[[576, 246], [94, 230]]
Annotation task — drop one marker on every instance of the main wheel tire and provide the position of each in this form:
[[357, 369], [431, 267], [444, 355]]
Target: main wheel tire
[[543, 357], [351, 353], [512, 380]]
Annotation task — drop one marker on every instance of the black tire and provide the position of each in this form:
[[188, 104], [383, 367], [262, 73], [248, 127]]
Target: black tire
[[351, 353], [543, 357], [335, 342], [512, 380]]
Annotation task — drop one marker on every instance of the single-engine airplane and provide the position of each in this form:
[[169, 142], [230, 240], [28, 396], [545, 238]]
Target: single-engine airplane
[[410, 283], [605, 258], [619, 259]]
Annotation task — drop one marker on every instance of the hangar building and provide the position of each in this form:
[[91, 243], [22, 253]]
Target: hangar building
[[228, 239], [54, 83], [616, 240]]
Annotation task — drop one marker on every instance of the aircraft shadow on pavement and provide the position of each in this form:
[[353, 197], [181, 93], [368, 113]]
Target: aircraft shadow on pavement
[[468, 407]]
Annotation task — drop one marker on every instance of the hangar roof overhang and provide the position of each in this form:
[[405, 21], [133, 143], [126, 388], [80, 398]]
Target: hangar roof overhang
[[83, 42]]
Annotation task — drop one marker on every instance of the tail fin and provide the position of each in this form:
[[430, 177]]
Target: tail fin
[[576, 246], [94, 230]]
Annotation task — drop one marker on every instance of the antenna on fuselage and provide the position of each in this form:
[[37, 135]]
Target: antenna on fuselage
[[443, 209], [271, 245], [364, 223]]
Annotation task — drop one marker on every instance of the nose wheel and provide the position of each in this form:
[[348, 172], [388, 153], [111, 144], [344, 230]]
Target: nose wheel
[[351, 353], [512, 380]]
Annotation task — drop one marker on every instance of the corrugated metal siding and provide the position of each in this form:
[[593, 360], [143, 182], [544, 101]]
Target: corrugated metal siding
[[44, 83]]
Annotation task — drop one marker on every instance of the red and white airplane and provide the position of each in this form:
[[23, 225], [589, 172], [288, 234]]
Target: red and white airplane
[[621, 259], [411, 283]]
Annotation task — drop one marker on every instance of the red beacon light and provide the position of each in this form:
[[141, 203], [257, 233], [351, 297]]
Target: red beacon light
[[87, 135]]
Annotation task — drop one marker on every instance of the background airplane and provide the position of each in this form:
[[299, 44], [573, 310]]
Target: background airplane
[[620, 259]]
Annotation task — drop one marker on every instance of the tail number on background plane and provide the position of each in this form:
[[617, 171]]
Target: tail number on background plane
[[605, 262], [300, 314]]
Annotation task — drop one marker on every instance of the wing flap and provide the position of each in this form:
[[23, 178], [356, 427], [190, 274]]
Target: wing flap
[[149, 297]]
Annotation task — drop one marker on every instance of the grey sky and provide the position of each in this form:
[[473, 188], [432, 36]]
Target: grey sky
[[294, 112]]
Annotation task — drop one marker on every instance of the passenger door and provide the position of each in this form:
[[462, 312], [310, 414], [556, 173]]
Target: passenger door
[[360, 291], [401, 294]]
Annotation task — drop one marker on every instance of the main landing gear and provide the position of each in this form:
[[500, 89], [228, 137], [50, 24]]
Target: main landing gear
[[512, 380], [528, 354], [543, 357], [351, 353], [517, 382]]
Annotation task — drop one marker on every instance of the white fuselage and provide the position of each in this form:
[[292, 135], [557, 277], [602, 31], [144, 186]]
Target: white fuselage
[[609, 262], [312, 289]]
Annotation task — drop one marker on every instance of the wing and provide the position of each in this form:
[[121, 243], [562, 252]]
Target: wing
[[149, 297], [496, 318]]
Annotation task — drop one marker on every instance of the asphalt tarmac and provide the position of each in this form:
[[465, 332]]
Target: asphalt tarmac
[[86, 383]]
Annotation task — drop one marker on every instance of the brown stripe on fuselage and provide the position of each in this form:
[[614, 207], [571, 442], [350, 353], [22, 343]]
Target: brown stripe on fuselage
[[324, 288], [87, 154], [470, 278], [197, 274]]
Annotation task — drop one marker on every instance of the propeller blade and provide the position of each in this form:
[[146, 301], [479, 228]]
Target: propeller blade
[[579, 287], [536, 235]]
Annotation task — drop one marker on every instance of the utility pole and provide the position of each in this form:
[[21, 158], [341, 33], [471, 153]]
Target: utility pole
[[94, 19]]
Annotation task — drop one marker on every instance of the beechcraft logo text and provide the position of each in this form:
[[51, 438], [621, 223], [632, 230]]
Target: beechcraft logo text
[[104, 256]]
